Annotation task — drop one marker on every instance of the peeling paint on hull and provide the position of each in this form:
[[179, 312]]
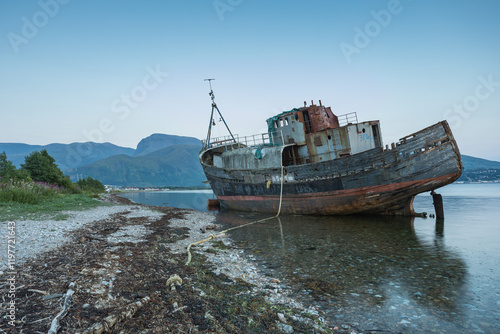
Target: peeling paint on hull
[[394, 198]]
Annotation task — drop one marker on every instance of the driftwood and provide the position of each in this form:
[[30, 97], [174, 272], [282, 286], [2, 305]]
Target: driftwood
[[57, 295], [85, 237], [54, 327], [179, 309], [38, 291], [108, 322]]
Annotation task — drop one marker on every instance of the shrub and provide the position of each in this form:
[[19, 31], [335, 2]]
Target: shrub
[[27, 192], [91, 185], [38, 179]]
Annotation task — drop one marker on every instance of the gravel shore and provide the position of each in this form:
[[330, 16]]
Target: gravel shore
[[112, 251], [232, 261], [34, 237]]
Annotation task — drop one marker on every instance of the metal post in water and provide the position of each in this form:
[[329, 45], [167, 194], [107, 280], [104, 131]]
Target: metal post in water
[[438, 205]]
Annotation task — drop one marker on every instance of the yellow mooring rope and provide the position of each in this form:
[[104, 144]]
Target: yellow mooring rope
[[221, 234]]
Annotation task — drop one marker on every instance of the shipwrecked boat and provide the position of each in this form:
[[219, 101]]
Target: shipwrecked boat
[[312, 161]]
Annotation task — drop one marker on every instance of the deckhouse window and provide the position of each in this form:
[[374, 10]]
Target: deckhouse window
[[281, 122]]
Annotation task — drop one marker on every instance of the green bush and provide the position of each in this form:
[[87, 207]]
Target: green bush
[[19, 196], [23, 174], [91, 185], [38, 179]]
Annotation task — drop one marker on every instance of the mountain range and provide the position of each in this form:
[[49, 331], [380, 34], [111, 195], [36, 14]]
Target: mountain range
[[159, 160], [162, 160]]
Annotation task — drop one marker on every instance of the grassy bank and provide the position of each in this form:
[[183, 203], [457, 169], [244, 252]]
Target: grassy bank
[[47, 208], [25, 199]]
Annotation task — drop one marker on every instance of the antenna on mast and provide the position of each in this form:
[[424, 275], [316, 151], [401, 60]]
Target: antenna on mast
[[212, 96], [214, 106]]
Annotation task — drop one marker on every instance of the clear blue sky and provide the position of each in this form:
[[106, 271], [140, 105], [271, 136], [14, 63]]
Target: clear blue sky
[[119, 71]]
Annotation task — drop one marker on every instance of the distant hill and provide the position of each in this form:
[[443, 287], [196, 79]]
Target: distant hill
[[17, 148], [78, 154], [471, 163], [158, 141], [16, 152], [69, 156], [174, 166], [479, 170], [159, 160], [66, 155]]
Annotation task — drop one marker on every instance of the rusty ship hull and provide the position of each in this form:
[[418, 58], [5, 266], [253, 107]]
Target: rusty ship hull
[[374, 181]]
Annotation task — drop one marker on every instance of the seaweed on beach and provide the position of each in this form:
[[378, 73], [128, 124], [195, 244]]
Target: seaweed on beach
[[110, 276]]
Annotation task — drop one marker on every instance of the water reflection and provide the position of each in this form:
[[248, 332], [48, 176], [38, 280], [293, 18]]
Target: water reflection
[[374, 273], [387, 274]]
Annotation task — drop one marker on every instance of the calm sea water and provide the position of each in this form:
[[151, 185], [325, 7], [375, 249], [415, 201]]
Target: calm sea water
[[380, 274], [184, 199]]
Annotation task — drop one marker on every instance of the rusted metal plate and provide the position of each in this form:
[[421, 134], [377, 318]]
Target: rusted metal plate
[[317, 140], [322, 118]]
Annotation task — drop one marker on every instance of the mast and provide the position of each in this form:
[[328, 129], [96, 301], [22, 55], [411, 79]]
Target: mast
[[214, 107]]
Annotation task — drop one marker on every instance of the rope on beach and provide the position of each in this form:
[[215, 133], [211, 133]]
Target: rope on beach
[[210, 237], [222, 233]]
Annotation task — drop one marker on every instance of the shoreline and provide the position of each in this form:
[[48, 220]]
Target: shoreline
[[117, 254]]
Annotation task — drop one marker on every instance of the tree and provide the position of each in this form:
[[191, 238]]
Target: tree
[[42, 167], [7, 169]]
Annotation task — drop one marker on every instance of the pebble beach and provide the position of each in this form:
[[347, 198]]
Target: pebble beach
[[40, 240], [34, 237]]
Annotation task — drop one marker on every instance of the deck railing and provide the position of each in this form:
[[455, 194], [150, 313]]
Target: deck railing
[[348, 118], [252, 140]]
